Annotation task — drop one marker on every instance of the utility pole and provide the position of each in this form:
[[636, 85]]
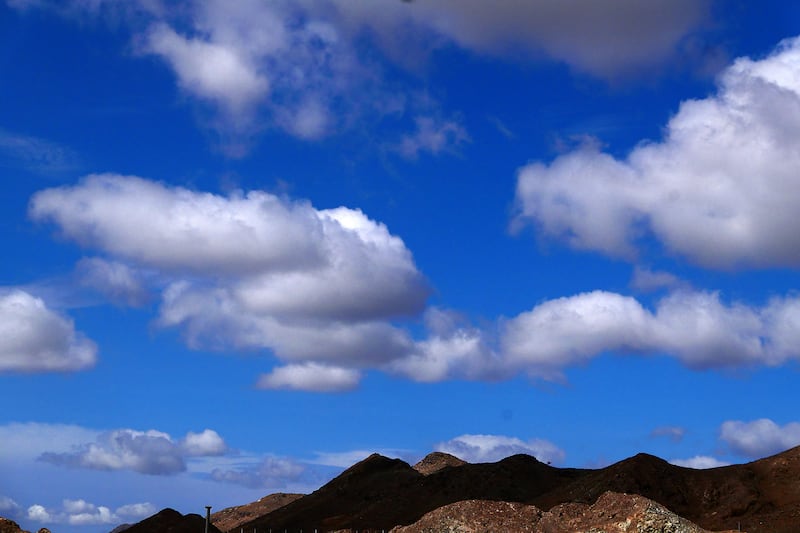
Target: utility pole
[[208, 516]]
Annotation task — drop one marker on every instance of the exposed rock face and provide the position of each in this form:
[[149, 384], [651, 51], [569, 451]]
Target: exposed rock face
[[433, 462], [232, 517], [612, 513], [477, 516]]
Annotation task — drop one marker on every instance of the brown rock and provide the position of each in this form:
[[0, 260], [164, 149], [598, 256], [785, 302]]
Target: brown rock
[[477, 516], [9, 526], [436, 461], [611, 513]]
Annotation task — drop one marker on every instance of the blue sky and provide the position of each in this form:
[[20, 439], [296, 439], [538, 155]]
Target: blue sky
[[247, 244]]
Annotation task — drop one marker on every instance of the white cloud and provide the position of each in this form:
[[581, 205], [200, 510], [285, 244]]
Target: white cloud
[[293, 260], [203, 444], [82, 513], [38, 513], [136, 510], [719, 189], [674, 433], [697, 328], [253, 270], [214, 71], [34, 338], [310, 377], [115, 280], [491, 448], [700, 462], [98, 515], [759, 438], [432, 135], [271, 472], [147, 452]]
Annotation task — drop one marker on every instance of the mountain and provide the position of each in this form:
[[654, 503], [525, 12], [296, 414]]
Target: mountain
[[231, 518], [380, 493], [171, 521], [762, 496]]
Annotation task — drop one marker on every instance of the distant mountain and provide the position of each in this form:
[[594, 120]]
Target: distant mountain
[[231, 518], [171, 521], [379, 493]]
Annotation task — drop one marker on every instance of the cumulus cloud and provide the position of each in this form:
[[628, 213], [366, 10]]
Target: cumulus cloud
[[147, 452], [293, 259], [698, 328], [700, 462], [452, 348], [38, 513], [759, 438], [310, 377], [252, 270], [82, 513], [491, 448], [34, 338], [720, 189], [272, 472]]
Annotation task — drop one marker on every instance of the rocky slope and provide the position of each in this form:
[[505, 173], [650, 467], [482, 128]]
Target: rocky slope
[[611, 513], [436, 461], [231, 518], [9, 526]]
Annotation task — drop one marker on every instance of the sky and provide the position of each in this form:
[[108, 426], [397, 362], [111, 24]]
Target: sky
[[246, 244]]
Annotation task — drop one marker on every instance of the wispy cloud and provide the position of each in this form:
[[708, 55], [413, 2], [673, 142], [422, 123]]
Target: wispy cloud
[[36, 155]]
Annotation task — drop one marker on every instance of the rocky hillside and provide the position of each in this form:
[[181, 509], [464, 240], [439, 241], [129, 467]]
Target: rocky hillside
[[9, 526], [611, 513], [231, 518], [433, 462]]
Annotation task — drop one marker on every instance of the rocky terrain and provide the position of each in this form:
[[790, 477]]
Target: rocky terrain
[[611, 513], [231, 518], [9, 526], [436, 461]]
